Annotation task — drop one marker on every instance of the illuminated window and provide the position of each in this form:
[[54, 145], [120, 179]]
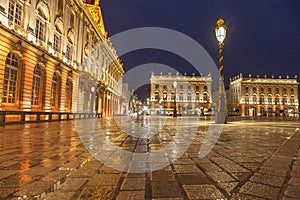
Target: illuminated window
[[262, 99], [54, 91], [292, 100], [189, 97], [72, 20], [284, 100], [57, 42], [254, 98], [247, 99], [205, 97], [197, 96], [68, 93], [15, 12], [69, 51], [10, 78], [172, 95], [36, 86], [165, 96], [156, 96], [277, 100], [181, 96], [270, 99], [40, 29]]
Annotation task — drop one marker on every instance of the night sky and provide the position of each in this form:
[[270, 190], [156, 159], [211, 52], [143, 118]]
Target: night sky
[[263, 36]]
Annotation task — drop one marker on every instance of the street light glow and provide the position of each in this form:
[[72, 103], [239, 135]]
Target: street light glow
[[220, 31]]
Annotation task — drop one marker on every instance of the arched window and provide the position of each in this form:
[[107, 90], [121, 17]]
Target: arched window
[[156, 96], [181, 96], [36, 94], [55, 91], [70, 44], [173, 95], [68, 101], [189, 96], [43, 16], [165, 95], [197, 96], [254, 98], [277, 99], [205, 97], [262, 99], [247, 98], [292, 100], [284, 100], [269, 99], [10, 78]]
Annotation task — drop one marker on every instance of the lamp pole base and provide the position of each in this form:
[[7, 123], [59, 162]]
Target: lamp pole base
[[221, 117]]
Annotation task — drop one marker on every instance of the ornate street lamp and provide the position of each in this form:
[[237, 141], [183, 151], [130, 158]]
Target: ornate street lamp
[[175, 110], [220, 31]]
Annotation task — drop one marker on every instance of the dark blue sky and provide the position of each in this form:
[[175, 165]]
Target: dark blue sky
[[263, 35]]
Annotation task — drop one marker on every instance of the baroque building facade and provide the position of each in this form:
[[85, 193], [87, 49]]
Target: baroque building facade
[[55, 57], [262, 96], [192, 95]]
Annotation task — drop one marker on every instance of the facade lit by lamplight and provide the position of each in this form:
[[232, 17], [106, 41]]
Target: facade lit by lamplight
[[43, 46], [193, 94], [262, 96]]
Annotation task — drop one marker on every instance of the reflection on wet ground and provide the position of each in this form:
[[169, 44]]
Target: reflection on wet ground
[[253, 159]]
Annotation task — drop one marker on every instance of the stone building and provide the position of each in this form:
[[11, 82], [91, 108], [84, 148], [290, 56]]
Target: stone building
[[262, 96], [193, 94], [44, 46]]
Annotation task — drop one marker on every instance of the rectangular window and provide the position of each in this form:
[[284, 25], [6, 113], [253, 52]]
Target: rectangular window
[[15, 12], [11, 11], [39, 29], [56, 43], [69, 52], [18, 14]]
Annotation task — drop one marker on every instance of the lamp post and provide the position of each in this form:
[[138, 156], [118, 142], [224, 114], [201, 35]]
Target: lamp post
[[164, 98], [175, 110], [220, 32]]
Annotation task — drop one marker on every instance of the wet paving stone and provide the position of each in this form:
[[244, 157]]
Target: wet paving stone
[[105, 179], [136, 195], [186, 169], [260, 190], [5, 192], [202, 192], [165, 190], [35, 189], [221, 177], [251, 160], [98, 192], [133, 184], [162, 176], [7, 173], [268, 180], [192, 179], [60, 196]]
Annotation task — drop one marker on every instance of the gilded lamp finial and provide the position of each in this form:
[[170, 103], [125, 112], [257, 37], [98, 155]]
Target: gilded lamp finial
[[220, 22]]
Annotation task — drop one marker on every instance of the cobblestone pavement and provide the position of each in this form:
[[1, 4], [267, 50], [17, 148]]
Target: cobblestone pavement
[[252, 160]]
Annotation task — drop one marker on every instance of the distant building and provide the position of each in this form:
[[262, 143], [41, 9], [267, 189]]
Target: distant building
[[266, 96], [193, 94]]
